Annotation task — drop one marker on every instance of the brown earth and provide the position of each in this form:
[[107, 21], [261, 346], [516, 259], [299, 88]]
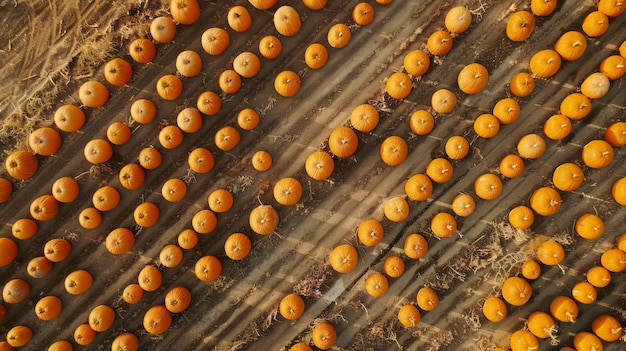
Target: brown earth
[[239, 310]]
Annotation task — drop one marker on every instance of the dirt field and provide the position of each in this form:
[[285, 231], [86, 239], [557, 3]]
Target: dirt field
[[54, 48]]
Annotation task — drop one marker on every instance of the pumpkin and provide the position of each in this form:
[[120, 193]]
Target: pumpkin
[[324, 335], [396, 209], [343, 258], [90, 218], [287, 83], [520, 26], [229, 81], [531, 269], [188, 63], [506, 110], [21, 164], [439, 43], [545, 201], [98, 151], [208, 268], [48, 308], [364, 118], [143, 111], [239, 19], [314, 4], [521, 217], [439, 170], [39, 267], [150, 278], [443, 224], [458, 19], [418, 187], [220, 200], [125, 342], [542, 8], [93, 94], [473, 78], [376, 284], [291, 307], [169, 87], [421, 122], [215, 41], [409, 316], [393, 150], [150, 158], [516, 291], [488, 186], [597, 154], [622, 49], [613, 260], [457, 147], [69, 118], [576, 106], [319, 165], [163, 29], [287, 191], [589, 226], [522, 84], [523, 340], [541, 324], [615, 134], [237, 246], [15, 291], [204, 221], [338, 35], [248, 119], [595, 24], [185, 11], [618, 191], [557, 127], [463, 205], [105, 198], [142, 50], [571, 45], [157, 320], [486, 125], [443, 101], [65, 189], [119, 241], [545, 63], [173, 190], [370, 232], [584, 340], [363, 14], [118, 133], [187, 239], [270, 47], [101, 318], [315, 55], [170, 256], [78, 282], [261, 161], [263, 219], [607, 328], [598, 276], [568, 177], [19, 335], [60, 345], [247, 64], [584, 293], [494, 309], [44, 141], [177, 299], [57, 250], [550, 253], [132, 176], [300, 347], [170, 137], [613, 67], [611, 8], [132, 293], [118, 71], [227, 138], [84, 334], [200, 160], [393, 266], [398, 85], [24, 228], [531, 146], [343, 142], [262, 4], [427, 299], [511, 166], [416, 63], [209, 103], [415, 246], [287, 21]]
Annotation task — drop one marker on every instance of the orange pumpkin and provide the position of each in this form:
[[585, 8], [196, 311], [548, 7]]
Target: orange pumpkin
[[229, 81], [599, 276], [220, 200], [324, 335], [415, 246], [247, 64], [398, 85], [506, 110], [543, 8], [163, 29], [545, 201], [458, 19], [142, 50], [486, 125], [177, 299], [90, 218], [584, 340], [619, 191], [418, 187], [339, 35], [522, 84], [170, 256], [427, 298], [595, 24], [78, 282], [19, 335], [188, 62], [150, 278], [125, 342], [24, 228], [69, 118], [215, 41], [44, 141], [473, 78], [545, 63], [169, 87], [188, 239], [65, 189], [607, 328], [287, 83], [343, 142], [557, 127], [227, 138], [568, 177], [614, 260], [93, 94], [105, 198], [270, 47], [457, 147], [370, 232], [84, 334], [439, 170], [44, 208], [393, 150], [615, 134], [589, 226], [520, 26], [157, 320], [39, 267], [118, 133], [118, 72], [409, 316], [521, 217], [146, 214], [622, 49], [597, 154], [314, 4], [287, 191], [343, 258], [576, 106], [394, 266], [57, 250], [200, 160], [364, 118], [439, 43], [416, 63], [511, 166], [98, 151], [421, 122], [611, 8], [443, 225], [185, 11], [173, 190], [531, 269], [132, 176], [571, 45], [209, 103], [208, 268], [60, 345], [132, 293], [101, 318], [170, 137], [319, 165], [396, 209], [531, 146], [263, 219], [21, 164], [463, 205], [300, 347], [376, 284], [150, 158], [15, 290], [516, 291], [363, 14], [119, 241], [584, 293], [550, 253], [237, 246], [488, 186], [613, 67], [262, 4], [443, 101], [541, 324], [291, 307], [494, 309], [287, 21], [315, 55], [523, 340], [248, 119], [239, 19]]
